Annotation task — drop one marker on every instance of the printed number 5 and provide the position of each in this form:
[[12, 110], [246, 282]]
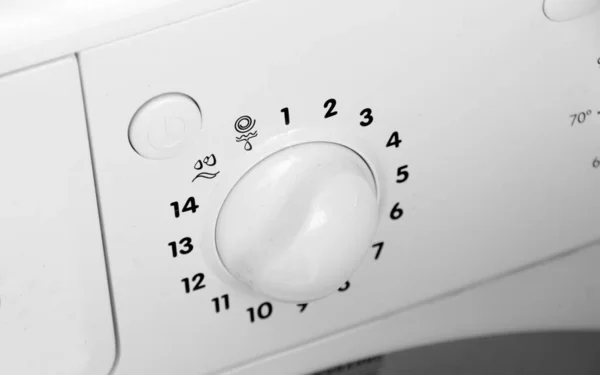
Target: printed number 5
[[402, 174]]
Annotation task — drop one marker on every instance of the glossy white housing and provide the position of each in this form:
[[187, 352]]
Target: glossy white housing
[[55, 312], [499, 178], [497, 110]]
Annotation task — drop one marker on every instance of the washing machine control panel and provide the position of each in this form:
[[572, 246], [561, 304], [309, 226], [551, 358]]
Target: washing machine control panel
[[263, 189]]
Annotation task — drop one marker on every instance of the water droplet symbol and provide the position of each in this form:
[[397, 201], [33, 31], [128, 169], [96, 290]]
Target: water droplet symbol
[[247, 146]]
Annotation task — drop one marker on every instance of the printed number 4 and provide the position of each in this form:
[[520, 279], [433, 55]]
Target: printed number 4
[[394, 140]]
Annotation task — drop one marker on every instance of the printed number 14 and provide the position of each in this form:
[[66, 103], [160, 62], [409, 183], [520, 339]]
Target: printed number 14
[[189, 206]]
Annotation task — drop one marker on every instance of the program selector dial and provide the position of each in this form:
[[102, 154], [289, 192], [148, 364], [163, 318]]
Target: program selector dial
[[299, 223]]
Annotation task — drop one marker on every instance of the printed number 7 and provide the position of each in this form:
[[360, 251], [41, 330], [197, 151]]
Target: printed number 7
[[379, 247]]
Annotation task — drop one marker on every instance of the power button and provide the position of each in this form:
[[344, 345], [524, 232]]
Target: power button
[[164, 126]]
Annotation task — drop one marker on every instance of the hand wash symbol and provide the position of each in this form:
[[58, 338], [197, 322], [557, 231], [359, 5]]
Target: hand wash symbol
[[208, 161]]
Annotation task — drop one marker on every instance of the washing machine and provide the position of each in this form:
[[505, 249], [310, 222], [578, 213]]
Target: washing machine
[[299, 187]]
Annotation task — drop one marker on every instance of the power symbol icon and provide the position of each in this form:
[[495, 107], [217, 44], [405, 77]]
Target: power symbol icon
[[164, 126], [167, 134]]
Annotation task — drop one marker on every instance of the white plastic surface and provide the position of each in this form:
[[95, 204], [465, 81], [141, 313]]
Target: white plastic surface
[[164, 126], [558, 294], [499, 175], [55, 313], [34, 31], [300, 222], [566, 10]]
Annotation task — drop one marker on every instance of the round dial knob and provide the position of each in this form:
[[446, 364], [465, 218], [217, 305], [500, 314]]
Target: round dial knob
[[298, 224]]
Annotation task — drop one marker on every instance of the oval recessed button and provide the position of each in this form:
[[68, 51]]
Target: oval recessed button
[[565, 10], [164, 125]]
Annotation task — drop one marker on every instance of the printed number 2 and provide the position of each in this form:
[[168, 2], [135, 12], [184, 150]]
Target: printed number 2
[[330, 106]]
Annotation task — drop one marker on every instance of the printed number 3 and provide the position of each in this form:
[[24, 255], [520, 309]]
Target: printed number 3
[[367, 114]]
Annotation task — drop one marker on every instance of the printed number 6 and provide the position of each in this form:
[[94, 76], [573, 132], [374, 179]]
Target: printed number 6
[[397, 212]]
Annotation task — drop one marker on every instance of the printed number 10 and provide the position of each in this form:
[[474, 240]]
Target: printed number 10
[[263, 312]]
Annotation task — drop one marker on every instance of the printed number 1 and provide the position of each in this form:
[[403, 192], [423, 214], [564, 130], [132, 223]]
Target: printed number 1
[[286, 115]]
